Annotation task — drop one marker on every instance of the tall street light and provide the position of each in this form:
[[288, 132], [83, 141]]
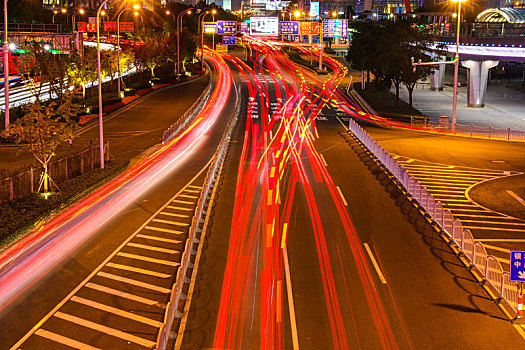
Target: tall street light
[[74, 16], [6, 70], [455, 62], [213, 12], [333, 14], [119, 77], [179, 25], [100, 122], [55, 13], [201, 26]]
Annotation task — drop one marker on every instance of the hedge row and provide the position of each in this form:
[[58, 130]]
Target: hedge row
[[21, 215]]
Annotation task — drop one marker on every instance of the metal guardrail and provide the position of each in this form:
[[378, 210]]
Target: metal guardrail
[[199, 221], [188, 116], [472, 130], [476, 256]]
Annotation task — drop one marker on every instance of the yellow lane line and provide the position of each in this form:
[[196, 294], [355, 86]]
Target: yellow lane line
[[510, 240], [174, 214], [160, 239], [495, 223], [134, 282], [497, 248], [171, 222], [121, 294], [153, 248], [374, 263], [516, 197], [179, 208], [163, 230], [138, 270], [492, 228], [63, 340], [148, 259]]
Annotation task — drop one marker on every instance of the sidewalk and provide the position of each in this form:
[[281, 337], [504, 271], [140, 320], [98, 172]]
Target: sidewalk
[[504, 107]]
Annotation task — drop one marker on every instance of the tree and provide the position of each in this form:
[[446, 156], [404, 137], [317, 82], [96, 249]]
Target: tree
[[42, 128], [152, 50], [82, 71]]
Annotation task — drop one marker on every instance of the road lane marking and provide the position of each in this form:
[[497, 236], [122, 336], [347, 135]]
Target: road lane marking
[[495, 222], [291, 307], [153, 248], [179, 208], [516, 197], [64, 340], [188, 196], [502, 260], [134, 282], [513, 240], [160, 239], [497, 248], [115, 311], [176, 223], [324, 160], [193, 191], [196, 187], [285, 231], [492, 228], [163, 230], [121, 294], [183, 202], [138, 270], [148, 259], [174, 214], [342, 197], [374, 263], [107, 330], [97, 271]]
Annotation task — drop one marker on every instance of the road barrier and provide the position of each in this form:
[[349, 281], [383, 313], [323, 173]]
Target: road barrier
[[188, 116], [198, 224], [451, 229], [470, 130]]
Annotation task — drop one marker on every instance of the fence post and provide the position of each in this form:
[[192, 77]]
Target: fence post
[[91, 158], [32, 179], [471, 129], [11, 188], [508, 134], [66, 168], [81, 162], [489, 131]]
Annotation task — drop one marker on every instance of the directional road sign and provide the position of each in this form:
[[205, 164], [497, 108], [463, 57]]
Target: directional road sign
[[245, 29], [210, 27], [335, 28], [309, 28], [517, 266], [289, 27], [227, 27], [228, 40]]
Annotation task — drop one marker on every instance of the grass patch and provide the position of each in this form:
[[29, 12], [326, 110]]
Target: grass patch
[[19, 216], [385, 104]]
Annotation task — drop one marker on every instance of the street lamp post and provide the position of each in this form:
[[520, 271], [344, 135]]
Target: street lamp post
[[100, 122], [179, 25], [119, 76], [55, 13], [6, 70], [213, 12], [201, 26], [455, 62], [74, 16]]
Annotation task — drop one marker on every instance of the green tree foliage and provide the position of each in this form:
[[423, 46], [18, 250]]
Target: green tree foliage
[[385, 49], [43, 127], [82, 71], [152, 51]]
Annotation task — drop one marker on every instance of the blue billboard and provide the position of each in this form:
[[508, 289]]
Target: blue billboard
[[335, 28], [226, 27], [228, 40], [289, 27]]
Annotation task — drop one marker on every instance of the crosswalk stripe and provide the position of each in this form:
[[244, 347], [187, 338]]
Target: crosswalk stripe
[[179, 208], [63, 340], [173, 214], [153, 248], [134, 282], [160, 239], [121, 294], [104, 329], [138, 270], [183, 202], [115, 311], [163, 230], [188, 196], [171, 222], [148, 259]]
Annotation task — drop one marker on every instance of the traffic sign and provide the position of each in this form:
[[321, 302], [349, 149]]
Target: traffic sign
[[517, 266], [335, 28], [309, 28], [210, 27], [245, 29], [228, 40], [227, 27], [289, 27]]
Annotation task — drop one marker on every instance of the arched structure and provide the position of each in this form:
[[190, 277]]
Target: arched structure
[[502, 15]]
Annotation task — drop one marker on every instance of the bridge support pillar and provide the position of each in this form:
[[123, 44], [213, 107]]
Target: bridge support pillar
[[477, 81], [436, 78]]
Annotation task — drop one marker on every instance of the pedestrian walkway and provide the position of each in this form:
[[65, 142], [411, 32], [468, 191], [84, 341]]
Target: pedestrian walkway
[[504, 107]]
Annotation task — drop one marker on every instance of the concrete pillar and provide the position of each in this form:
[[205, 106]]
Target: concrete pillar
[[436, 77], [310, 38], [477, 81]]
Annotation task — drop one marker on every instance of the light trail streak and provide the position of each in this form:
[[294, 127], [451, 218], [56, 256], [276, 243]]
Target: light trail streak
[[27, 261]]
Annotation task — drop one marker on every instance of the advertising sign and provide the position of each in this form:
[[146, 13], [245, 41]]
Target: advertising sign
[[228, 40], [264, 26], [314, 9], [210, 27], [244, 28], [517, 266], [226, 27], [309, 28], [289, 28], [258, 9], [84, 27], [335, 28], [110, 26], [126, 27]]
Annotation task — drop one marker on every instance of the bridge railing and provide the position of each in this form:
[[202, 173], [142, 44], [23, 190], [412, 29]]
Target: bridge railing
[[490, 272], [471, 130], [33, 27]]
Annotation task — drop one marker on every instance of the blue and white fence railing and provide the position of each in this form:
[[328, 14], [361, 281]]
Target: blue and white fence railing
[[198, 224], [492, 274]]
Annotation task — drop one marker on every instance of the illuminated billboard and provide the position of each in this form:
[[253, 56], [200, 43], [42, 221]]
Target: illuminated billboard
[[314, 9], [264, 26]]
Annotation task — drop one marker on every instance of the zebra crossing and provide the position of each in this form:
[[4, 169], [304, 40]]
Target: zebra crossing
[[121, 304], [450, 185]]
